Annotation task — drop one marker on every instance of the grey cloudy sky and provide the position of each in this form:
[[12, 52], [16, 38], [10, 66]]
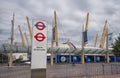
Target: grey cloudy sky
[[71, 15]]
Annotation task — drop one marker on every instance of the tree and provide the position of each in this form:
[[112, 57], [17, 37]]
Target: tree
[[116, 46]]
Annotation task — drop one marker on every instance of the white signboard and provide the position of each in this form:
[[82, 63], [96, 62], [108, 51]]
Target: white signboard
[[39, 45]]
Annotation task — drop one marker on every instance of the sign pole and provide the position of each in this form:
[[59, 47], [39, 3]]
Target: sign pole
[[39, 50]]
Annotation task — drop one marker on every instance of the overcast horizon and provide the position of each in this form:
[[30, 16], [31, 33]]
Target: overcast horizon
[[71, 16]]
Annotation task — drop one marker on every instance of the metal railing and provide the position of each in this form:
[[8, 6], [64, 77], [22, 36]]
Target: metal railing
[[15, 72], [84, 71], [89, 70]]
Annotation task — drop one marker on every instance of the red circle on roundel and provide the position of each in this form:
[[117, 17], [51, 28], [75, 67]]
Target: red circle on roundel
[[40, 25], [39, 37]]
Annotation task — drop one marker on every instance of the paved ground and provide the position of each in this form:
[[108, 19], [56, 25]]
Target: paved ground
[[66, 71]]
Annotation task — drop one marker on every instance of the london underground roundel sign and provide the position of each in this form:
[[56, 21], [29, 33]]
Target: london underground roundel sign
[[39, 37], [40, 25]]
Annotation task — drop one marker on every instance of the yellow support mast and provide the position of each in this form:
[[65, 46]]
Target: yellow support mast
[[11, 46], [29, 27], [56, 29], [54, 37], [23, 42], [83, 44], [26, 39], [86, 25], [103, 38], [107, 52], [96, 40]]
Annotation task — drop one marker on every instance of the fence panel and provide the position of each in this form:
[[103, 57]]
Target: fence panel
[[89, 70]]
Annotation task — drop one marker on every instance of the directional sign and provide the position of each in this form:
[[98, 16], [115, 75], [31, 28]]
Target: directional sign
[[39, 45], [39, 37], [40, 25]]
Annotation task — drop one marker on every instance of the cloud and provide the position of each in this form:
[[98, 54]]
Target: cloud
[[71, 15]]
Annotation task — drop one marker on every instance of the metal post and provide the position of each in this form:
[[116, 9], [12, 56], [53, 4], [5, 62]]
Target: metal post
[[1, 60], [94, 59], [69, 57], [111, 69], [103, 69]]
